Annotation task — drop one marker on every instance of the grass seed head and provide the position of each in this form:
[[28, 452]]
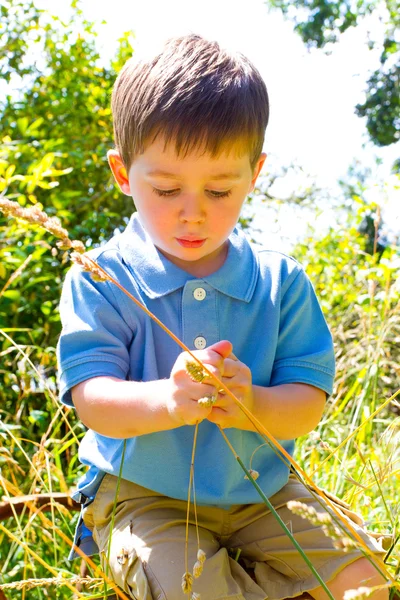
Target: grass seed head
[[88, 265], [187, 583], [255, 474], [201, 556], [195, 371], [197, 569], [208, 400], [195, 596], [358, 594], [36, 216], [122, 556]]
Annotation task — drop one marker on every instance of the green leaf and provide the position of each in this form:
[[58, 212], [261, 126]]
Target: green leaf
[[38, 417], [47, 307], [22, 124], [12, 294]]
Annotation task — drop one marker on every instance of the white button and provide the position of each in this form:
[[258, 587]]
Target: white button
[[200, 342], [199, 293]]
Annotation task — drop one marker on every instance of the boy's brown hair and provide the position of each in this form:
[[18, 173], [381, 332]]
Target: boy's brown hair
[[195, 93]]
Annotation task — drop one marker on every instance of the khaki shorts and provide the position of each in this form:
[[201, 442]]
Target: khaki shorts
[[147, 558]]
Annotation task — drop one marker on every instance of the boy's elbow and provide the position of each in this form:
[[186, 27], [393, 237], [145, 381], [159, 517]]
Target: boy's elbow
[[96, 407], [317, 398], [81, 403]]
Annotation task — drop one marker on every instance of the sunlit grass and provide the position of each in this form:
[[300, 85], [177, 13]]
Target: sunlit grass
[[354, 452]]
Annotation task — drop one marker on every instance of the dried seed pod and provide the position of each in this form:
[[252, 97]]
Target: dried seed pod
[[195, 371], [195, 596], [255, 474], [208, 400], [122, 556], [187, 583], [201, 556], [197, 569]]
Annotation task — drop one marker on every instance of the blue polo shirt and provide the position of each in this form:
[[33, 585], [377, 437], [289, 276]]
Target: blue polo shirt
[[260, 300]]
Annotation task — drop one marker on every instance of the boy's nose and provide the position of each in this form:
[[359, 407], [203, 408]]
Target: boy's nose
[[192, 210]]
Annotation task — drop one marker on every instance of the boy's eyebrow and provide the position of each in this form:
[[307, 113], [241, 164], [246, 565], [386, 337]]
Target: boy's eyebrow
[[230, 175]]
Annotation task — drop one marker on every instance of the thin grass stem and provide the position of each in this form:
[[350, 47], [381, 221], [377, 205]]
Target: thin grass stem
[[191, 473], [278, 518], [37, 557], [389, 514], [374, 560], [47, 523], [353, 433], [50, 392], [113, 515]]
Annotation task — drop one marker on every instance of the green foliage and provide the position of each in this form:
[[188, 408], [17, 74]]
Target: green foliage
[[19, 24], [360, 295], [320, 22], [64, 112], [382, 106], [59, 130]]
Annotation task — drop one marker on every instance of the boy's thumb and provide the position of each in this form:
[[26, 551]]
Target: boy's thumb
[[224, 348]]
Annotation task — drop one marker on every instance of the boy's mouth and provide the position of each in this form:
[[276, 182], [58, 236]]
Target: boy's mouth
[[191, 242]]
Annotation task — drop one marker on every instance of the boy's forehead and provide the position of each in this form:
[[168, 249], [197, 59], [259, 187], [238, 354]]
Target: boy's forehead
[[160, 157]]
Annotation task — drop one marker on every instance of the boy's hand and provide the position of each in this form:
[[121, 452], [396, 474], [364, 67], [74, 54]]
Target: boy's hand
[[184, 393], [237, 378]]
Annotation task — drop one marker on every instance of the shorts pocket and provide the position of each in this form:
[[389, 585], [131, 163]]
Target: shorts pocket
[[125, 567]]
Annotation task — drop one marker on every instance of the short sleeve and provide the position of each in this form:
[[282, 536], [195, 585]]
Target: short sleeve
[[304, 351], [95, 338]]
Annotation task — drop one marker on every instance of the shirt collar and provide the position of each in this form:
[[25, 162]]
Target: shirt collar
[[158, 276]]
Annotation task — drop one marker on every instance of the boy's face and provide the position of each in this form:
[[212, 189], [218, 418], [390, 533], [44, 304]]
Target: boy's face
[[190, 213]]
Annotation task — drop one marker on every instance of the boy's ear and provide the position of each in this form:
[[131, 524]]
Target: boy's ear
[[257, 170], [119, 171]]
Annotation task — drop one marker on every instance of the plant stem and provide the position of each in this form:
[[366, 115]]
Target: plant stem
[[113, 516], [277, 517], [188, 500], [374, 560]]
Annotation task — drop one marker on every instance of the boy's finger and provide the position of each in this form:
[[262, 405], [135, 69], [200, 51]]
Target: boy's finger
[[230, 367], [223, 347]]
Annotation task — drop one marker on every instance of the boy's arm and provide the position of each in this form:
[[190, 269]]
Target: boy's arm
[[292, 402], [289, 410], [122, 409]]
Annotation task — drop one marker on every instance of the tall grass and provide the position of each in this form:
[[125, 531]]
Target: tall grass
[[38, 454]]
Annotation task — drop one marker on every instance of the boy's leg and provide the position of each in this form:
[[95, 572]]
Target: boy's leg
[[357, 574], [279, 568], [147, 557]]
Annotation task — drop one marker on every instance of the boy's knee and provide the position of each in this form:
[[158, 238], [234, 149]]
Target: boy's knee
[[360, 573]]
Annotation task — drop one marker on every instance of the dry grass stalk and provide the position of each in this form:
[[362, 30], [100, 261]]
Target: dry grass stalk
[[47, 523], [36, 216], [187, 578], [16, 274], [60, 581], [88, 265], [54, 226], [324, 520]]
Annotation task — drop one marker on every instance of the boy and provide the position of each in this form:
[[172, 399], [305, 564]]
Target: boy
[[189, 128]]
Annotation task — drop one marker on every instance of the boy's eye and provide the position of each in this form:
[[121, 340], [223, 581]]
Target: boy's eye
[[171, 192]]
